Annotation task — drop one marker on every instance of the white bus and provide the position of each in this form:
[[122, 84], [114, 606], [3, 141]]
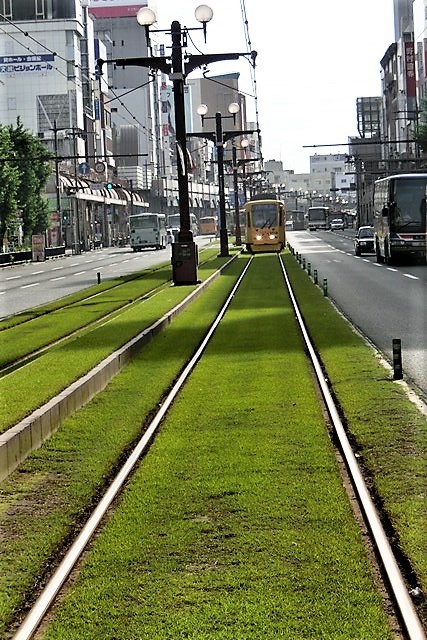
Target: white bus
[[318, 218], [174, 222], [400, 222], [147, 230]]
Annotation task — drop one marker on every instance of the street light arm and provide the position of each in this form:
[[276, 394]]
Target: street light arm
[[199, 61], [228, 135], [203, 134], [159, 63]]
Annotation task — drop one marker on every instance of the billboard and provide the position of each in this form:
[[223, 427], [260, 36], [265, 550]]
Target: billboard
[[115, 8]]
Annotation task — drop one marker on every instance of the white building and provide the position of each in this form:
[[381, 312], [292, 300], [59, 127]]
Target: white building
[[46, 78], [329, 163]]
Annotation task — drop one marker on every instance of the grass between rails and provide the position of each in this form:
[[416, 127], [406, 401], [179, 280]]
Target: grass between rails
[[23, 339], [236, 526], [29, 387], [78, 296], [390, 431], [35, 328], [40, 502]]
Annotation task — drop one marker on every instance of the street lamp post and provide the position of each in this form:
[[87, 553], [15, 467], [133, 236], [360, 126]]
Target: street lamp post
[[236, 198], [184, 254], [223, 235], [220, 137]]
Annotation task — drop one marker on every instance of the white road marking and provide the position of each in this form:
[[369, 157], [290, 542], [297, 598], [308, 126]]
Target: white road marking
[[408, 275]]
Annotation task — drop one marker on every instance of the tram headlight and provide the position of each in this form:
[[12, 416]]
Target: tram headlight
[[259, 237], [272, 236]]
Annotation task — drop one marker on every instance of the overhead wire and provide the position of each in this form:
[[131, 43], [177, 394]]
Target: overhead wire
[[252, 72]]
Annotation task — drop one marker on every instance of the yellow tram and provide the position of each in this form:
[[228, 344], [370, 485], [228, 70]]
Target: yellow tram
[[265, 224]]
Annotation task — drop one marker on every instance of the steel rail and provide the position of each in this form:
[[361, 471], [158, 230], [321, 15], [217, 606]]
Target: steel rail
[[43, 603], [406, 608]]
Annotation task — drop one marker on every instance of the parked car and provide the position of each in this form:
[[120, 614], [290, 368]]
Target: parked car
[[337, 223], [364, 241]]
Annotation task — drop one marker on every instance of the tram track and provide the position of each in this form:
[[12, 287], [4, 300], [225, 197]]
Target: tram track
[[407, 612], [116, 313]]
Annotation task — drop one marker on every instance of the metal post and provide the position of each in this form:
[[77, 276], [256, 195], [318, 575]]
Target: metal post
[[236, 198], [397, 359], [76, 225], [184, 254], [325, 287], [57, 181], [223, 236], [131, 195]]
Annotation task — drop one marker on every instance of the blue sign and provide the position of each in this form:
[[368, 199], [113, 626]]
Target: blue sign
[[31, 63], [84, 167]]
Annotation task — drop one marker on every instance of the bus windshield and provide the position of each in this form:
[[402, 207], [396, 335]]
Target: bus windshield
[[408, 207], [264, 215], [317, 214], [144, 222]]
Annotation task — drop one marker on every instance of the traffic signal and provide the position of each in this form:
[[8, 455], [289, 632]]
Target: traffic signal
[[111, 185]]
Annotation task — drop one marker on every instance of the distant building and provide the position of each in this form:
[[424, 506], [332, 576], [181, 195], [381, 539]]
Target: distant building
[[330, 163]]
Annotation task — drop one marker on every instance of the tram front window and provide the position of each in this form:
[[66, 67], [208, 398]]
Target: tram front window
[[264, 215]]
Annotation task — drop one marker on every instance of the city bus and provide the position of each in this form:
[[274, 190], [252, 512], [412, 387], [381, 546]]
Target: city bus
[[174, 222], [317, 218], [400, 228], [147, 230], [208, 225], [265, 225]]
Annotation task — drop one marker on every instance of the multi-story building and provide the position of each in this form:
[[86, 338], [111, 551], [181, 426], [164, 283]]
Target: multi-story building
[[330, 163]]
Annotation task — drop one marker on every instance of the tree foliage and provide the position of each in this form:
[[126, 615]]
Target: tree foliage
[[24, 171], [9, 184]]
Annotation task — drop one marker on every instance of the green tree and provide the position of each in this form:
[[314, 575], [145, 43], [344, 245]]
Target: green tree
[[34, 170], [9, 184]]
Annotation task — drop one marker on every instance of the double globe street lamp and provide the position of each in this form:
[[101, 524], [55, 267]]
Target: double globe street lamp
[[184, 252]]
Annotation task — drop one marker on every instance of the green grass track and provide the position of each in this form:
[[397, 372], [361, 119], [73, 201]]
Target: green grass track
[[236, 525]]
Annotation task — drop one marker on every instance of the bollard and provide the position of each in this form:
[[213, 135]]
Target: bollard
[[303, 263], [309, 268], [98, 275], [397, 359], [296, 255], [315, 276], [325, 287]]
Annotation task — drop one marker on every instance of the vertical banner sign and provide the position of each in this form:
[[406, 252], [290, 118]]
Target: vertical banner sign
[[410, 70], [38, 248]]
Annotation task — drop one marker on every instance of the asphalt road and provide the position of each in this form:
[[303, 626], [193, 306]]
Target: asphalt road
[[28, 285], [383, 302]]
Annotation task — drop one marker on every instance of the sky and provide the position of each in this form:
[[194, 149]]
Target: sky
[[315, 57]]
